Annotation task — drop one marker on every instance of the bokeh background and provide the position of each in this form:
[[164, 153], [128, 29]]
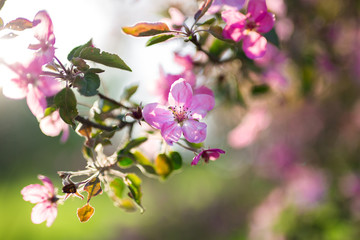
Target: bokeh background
[[291, 169]]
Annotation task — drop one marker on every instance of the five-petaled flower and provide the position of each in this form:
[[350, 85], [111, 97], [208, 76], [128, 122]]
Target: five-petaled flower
[[248, 27], [209, 154], [30, 83], [45, 199], [183, 114]]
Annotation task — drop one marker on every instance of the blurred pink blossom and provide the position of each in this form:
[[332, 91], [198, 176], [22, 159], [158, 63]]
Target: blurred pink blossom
[[217, 5], [273, 63], [30, 84], [276, 160], [53, 125], [176, 19], [43, 31], [306, 187], [248, 27], [208, 154], [266, 215], [255, 121], [183, 114], [45, 199], [163, 84]]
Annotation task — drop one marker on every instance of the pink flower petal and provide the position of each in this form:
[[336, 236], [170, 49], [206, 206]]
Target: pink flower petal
[[171, 132], [200, 105], [203, 90], [156, 115], [53, 125], [43, 27], [194, 131], [185, 61], [256, 8], [15, 88], [35, 193], [234, 31], [196, 159], [232, 17], [44, 211], [36, 101], [49, 86], [254, 45], [65, 134], [180, 93], [48, 184], [265, 22]]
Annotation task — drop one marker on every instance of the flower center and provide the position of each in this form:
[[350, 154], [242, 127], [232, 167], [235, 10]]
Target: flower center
[[251, 25], [180, 113]]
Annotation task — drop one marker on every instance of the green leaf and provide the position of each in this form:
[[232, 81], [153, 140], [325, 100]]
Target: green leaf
[[134, 184], [49, 110], [107, 106], [95, 70], [85, 213], [217, 31], [272, 37], [19, 24], [141, 159], [207, 22], [77, 50], [80, 64], [93, 188], [88, 84], [260, 89], [105, 58], [117, 191], [65, 100], [163, 165], [134, 143], [159, 39], [146, 29], [87, 153], [130, 91], [118, 187], [176, 160], [218, 47], [126, 161]]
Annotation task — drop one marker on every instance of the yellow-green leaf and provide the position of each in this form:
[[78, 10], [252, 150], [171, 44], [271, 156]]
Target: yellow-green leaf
[[146, 29], [163, 165], [93, 187], [85, 213]]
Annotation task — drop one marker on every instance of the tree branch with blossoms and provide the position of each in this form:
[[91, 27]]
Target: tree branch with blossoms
[[52, 87]]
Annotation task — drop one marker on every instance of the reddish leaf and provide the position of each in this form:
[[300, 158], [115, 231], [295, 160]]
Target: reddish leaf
[[85, 213], [19, 24], [93, 187], [146, 29], [203, 10]]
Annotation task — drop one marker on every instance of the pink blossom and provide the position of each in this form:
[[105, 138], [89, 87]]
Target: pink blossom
[[45, 199], [43, 31], [247, 131], [209, 154], [53, 125], [183, 114], [248, 27], [306, 187], [226, 4], [30, 84]]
